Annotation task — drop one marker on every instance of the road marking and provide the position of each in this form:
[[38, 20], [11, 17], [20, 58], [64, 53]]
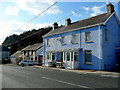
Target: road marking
[[109, 76], [66, 82]]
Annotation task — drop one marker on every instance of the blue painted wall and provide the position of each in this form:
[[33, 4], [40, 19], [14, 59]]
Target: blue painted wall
[[93, 46], [103, 53], [109, 47]]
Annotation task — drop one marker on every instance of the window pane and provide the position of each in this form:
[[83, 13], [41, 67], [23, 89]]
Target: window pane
[[64, 56], [88, 56], [47, 42], [75, 56], [53, 56], [62, 40], [87, 36], [47, 55], [50, 56], [75, 59], [68, 56], [106, 34], [74, 39], [71, 56]]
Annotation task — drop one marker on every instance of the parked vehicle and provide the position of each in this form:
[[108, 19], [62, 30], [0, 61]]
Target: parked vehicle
[[26, 63]]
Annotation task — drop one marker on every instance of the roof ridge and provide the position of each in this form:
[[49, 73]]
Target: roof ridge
[[89, 18]]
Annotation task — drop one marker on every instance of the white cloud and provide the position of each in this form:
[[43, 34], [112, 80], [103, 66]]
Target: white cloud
[[9, 28], [12, 10], [37, 6], [96, 10], [86, 8], [75, 14]]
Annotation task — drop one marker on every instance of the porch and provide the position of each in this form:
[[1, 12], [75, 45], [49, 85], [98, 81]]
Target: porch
[[68, 59]]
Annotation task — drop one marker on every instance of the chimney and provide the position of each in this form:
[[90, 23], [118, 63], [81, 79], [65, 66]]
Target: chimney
[[55, 25], [110, 8], [67, 22]]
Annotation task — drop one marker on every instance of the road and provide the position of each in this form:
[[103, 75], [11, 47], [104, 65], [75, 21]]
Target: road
[[32, 77]]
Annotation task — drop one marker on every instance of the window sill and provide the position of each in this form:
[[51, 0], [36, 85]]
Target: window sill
[[48, 45], [74, 43], [88, 63], [63, 44], [88, 41]]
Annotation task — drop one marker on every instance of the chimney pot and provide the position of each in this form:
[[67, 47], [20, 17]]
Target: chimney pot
[[55, 25], [110, 8], [67, 22]]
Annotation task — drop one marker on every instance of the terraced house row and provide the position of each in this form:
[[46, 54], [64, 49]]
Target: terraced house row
[[92, 43]]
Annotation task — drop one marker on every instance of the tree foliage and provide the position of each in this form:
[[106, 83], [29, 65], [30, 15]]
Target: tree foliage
[[18, 42]]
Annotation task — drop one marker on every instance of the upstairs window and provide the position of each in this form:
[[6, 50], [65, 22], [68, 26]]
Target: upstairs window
[[74, 39], [88, 57], [62, 40], [106, 34], [87, 36], [48, 42]]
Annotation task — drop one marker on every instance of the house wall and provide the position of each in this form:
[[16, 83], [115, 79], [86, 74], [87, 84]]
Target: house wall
[[94, 46], [55, 45], [29, 55], [109, 54]]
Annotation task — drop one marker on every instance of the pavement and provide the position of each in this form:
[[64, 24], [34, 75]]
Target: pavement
[[102, 73]]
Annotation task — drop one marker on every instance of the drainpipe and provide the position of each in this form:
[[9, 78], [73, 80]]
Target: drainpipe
[[80, 48], [44, 52], [100, 48]]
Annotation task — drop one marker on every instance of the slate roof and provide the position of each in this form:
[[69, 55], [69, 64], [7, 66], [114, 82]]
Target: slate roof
[[17, 54], [80, 24], [33, 47]]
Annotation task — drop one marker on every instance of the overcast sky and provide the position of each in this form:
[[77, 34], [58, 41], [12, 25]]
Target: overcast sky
[[15, 13]]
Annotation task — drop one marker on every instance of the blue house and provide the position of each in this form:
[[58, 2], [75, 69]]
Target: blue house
[[91, 43]]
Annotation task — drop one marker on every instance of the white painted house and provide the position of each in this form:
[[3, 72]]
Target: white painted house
[[33, 52]]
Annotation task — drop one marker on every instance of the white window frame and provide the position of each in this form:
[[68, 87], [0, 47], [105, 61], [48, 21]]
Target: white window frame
[[74, 38], [62, 40], [49, 55], [48, 42], [72, 56], [87, 35]]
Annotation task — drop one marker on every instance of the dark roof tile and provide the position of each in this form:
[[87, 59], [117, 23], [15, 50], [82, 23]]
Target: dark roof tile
[[80, 24], [33, 47]]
